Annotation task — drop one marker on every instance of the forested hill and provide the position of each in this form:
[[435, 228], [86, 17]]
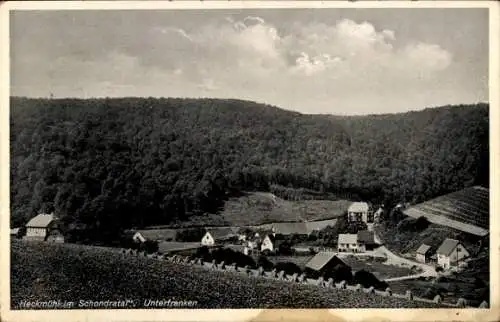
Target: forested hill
[[107, 163]]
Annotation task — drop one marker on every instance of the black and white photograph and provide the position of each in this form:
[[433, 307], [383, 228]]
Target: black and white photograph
[[233, 157]]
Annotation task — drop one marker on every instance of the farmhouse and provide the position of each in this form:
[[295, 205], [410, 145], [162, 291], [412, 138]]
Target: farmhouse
[[39, 226], [450, 253], [270, 242], [348, 243], [423, 253], [323, 263], [366, 240], [360, 211]]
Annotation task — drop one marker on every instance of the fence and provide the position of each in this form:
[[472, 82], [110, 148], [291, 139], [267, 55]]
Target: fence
[[300, 279]]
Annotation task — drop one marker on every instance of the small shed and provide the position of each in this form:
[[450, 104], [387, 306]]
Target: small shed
[[324, 263], [15, 233], [423, 253]]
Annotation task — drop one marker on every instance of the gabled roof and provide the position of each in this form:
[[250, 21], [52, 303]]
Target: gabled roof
[[221, 233], [14, 231], [40, 221], [358, 207], [366, 236], [156, 234], [290, 228], [321, 259], [348, 239], [423, 249], [448, 246]]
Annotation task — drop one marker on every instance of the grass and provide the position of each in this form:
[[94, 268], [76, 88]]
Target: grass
[[257, 208], [376, 267], [41, 271], [165, 247]]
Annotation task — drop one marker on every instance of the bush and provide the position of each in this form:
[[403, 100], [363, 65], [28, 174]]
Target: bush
[[367, 279], [265, 263], [288, 267], [340, 273]]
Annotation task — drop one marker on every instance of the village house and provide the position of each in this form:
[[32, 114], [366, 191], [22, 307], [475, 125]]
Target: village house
[[323, 263], [423, 253], [216, 236], [366, 240], [39, 226], [360, 212], [348, 243], [450, 253], [270, 242]]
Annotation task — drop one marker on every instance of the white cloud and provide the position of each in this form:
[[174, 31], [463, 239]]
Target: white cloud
[[313, 66]]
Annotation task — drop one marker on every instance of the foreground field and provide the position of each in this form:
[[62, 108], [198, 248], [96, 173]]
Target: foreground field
[[71, 272]]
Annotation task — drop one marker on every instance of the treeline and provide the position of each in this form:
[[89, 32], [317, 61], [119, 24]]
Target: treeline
[[108, 164]]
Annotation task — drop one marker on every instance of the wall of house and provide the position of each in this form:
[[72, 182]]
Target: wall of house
[[36, 232], [348, 247], [420, 258], [458, 253], [207, 240], [266, 244]]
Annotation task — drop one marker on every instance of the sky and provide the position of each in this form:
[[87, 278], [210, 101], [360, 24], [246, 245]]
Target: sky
[[314, 61]]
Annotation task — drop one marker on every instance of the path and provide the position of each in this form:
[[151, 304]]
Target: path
[[394, 259]]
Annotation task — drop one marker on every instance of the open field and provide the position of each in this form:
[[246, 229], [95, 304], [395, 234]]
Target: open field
[[258, 208], [41, 271], [466, 210], [376, 266]]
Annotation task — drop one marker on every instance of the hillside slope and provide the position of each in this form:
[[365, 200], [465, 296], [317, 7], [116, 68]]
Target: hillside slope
[[102, 274], [106, 164]]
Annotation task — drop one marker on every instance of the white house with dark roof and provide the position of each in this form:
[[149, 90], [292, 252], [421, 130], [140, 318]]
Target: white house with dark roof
[[216, 235], [348, 243], [450, 253], [38, 226]]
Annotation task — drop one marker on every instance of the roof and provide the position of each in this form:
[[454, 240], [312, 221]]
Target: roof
[[41, 221], [358, 207], [423, 249], [348, 239], [156, 234], [221, 233], [366, 236], [14, 231], [290, 228], [321, 259], [447, 246], [320, 224]]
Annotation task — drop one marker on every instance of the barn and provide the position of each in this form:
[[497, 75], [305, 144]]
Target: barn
[[325, 264]]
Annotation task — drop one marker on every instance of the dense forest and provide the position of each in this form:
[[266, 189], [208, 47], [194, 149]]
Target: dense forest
[[108, 164]]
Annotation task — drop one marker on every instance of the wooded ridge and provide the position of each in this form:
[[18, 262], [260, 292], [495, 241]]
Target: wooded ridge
[[109, 164]]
